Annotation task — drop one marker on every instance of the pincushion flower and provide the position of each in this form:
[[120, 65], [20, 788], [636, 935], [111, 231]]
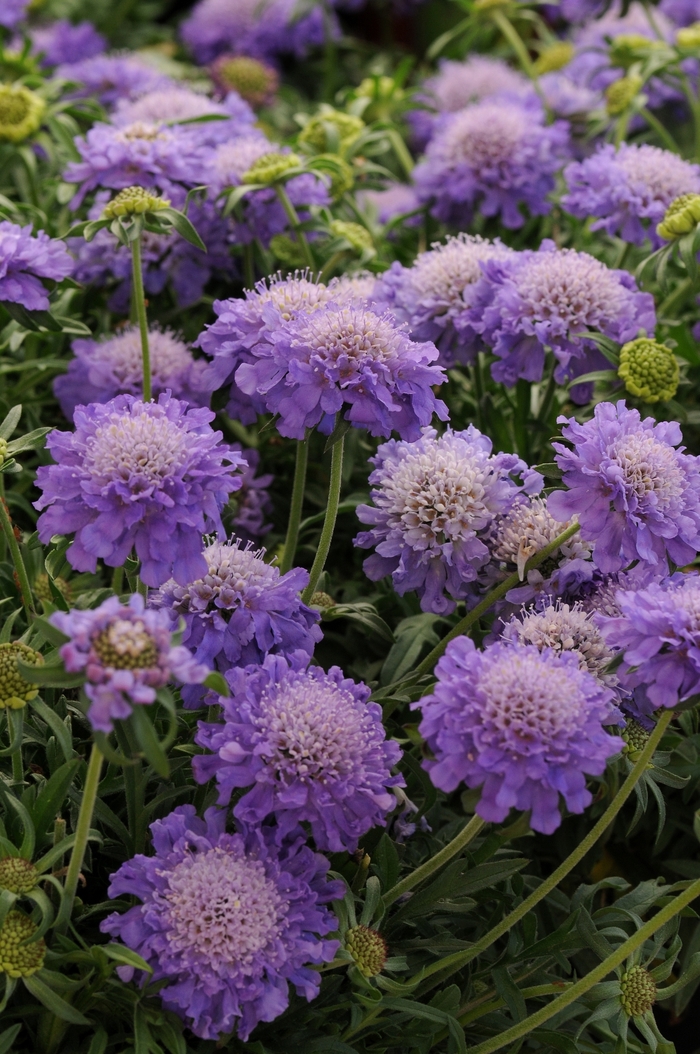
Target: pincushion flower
[[12, 13], [394, 200], [348, 360], [62, 40], [249, 27], [493, 159], [227, 921], [310, 747], [150, 476], [177, 104], [524, 725], [126, 653], [255, 81], [104, 368], [26, 258], [112, 77], [241, 610], [433, 499], [635, 495]]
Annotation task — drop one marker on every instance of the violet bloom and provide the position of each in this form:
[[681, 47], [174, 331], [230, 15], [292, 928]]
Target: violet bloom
[[150, 476], [433, 498], [104, 368], [126, 653], [395, 200], [62, 40], [252, 502], [434, 295], [310, 747], [547, 298], [180, 104], [525, 725], [261, 30], [492, 158], [623, 187], [26, 258], [681, 12], [12, 12], [569, 100], [635, 496], [227, 921], [348, 360], [581, 11], [241, 610], [112, 77]]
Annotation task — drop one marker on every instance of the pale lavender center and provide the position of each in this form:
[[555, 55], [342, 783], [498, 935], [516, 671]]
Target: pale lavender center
[[570, 286], [530, 700], [141, 445], [649, 468]]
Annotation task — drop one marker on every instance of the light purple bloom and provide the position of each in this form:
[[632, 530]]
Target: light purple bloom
[[112, 77], [433, 499], [681, 12], [635, 496], [249, 27], [252, 502], [61, 41], [310, 747], [394, 200], [228, 921], [126, 653], [26, 258], [176, 104], [150, 476], [579, 11], [12, 12], [241, 610], [567, 99], [523, 724]]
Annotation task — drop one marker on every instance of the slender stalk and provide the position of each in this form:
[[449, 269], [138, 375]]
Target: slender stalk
[[15, 724], [249, 265], [3, 542], [663, 133], [118, 580], [451, 963], [514, 39], [82, 830], [676, 298], [465, 836], [15, 553], [298, 487], [139, 302], [548, 397], [295, 223], [324, 543]]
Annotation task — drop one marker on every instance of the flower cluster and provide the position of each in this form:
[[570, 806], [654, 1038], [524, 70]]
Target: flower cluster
[[25, 259], [249, 27], [61, 40], [111, 77]]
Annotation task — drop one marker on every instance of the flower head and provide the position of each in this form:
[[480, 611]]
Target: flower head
[[649, 369], [564, 628], [150, 476], [241, 610], [525, 725], [133, 201], [25, 259], [310, 747], [178, 104], [255, 81], [227, 921], [15, 692], [18, 875], [112, 77], [21, 113], [555, 57], [681, 217], [331, 130], [368, 949], [478, 77], [261, 29], [17, 958], [637, 991], [61, 40]]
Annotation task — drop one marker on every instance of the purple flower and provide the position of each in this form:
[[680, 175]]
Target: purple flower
[[176, 104], [310, 747], [394, 200], [26, 258], [112, 77], [241, 610], [126, 653], [150, 476], [681, 12], [228, 921], [348, 360], [525, 725], [492, 158], [252, 502], [567, 99], [635, 496], [581, 11], [104, 368], [533, 300], [432, 500], [12, 12], [61, 40], [434, 295], [249, 27], [621, 188]]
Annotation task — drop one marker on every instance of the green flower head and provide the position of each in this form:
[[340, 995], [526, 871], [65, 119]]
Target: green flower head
[[134, 201], [649, 370], [270, 167], [21, 113], [621, 94], [555, 57], [682, 215], [18, 959], [368, 949], [18, 875], [15, 692], [637, 991], [331, 131], [358, 236], [636, 738], [254, 81]]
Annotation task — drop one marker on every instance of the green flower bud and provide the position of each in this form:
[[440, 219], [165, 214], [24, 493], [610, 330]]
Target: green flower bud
[[379, 88], [15, 692], [254, 81], [681, 216], [17, 874], [134, 201], [637, 991], [555, 57], [649, 370], [689, 36], [315, 133], [488, 5], [21, 113], [358, 236], [3, 450], [636, 737], [270, 167], [625, 48], [621, 94], [342, 178], [287, 251], [322, 601], [16, 958], [42, 590], [368, 949]]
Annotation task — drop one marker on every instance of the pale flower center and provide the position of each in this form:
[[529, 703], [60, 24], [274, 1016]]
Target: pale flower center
[[529, 700], [649, 468], [141, 447]]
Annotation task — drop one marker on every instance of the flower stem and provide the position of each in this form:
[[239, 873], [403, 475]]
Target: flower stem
[[515, 40], [324, 543], [82, 831], [451, 963], [139, 301], [249, 265], [295, 223], [298, 487], [465, 836], [15, 725], [21, 571]]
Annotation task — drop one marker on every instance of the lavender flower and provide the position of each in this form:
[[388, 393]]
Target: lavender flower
[[126, 653], [635, 496], [564, 628], [104, 368], [241, 610], [310, 747], [177, 104], [149, 476], [524, 724], [26, 258], [581, 11], [228, 921], [61, 40], [12, 13], [492, 158], [112, 77], [432, 500], [252, 502], [681, 12], [394, 200], [569, 100], [249, 27]]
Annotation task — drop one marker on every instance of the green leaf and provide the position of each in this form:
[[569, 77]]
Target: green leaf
[[52, 1001], [51, 675], [413, 635], [30, 441], [555, 1039], [386, 859], [53, 794], [48, 632], [148, 741], [341, 429], [125, 956], [364, 614], [183, 227], [509, 992], [57, 726], [98, 1044], [217, 683], [8, 1037], [10, 422]]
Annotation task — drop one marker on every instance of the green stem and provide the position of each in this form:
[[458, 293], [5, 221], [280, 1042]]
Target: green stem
[[547, 398], [139, 301], [465, 836], [118, 580], [295, 223], [134, 787], [15, 725], [249, 265], [298, 487], [15, 553], [82, 830], [478, 378], [449, 965], [621, 128], [326, 538], [674, 299], [514, 39], [665, 136], [3, 542]]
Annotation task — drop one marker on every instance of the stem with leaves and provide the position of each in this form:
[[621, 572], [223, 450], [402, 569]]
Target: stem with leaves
[[324, 543], [298, 487], [459, 842], [82, 831], [295, 224], [139, 306], [20, 570]]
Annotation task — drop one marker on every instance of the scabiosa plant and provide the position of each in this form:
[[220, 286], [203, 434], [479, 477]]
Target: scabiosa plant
[[177, 104], [62, 40], [126, 653], [493, 159], [248, 27], [310, 747], [525, 725], [150, 476], [26, 258], [394, 200], [241, 610], [635, 495], [112, 77], [104, 368], [227, 921], [255, 81], [432, 500]]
